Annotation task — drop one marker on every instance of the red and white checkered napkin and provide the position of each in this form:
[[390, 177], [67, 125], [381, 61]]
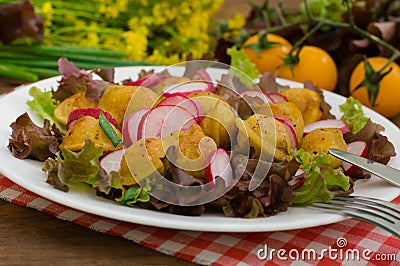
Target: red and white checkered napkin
[[348, 237]]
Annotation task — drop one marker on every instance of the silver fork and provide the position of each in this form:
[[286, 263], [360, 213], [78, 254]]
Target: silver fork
[[381, 213]]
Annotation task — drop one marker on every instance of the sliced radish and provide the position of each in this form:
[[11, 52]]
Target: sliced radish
[[290, 130], [359, 148], [190, 105], [327, 123], [150, 81], [219, 166], [94, 112], [130, 128], [259, 94], [162, 121], [112, 161], [300, 173], [184, 89], [202, 75], [277, 97]]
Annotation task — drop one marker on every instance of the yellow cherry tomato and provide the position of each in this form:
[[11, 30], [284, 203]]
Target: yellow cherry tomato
[[387, 102], [269, 59], [315, 65]]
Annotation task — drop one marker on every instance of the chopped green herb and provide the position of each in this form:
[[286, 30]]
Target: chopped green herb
[[109, 130]]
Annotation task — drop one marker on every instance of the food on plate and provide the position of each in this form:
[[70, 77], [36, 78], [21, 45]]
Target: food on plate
[[321, 140], [75, 102], [288, 110], [169, 81], [269, 134], [94, 112], [327, 123], [307, 101], [145, 159], [175, 150], [220, 125], [87, 127], [207, 100], [116, 98], [195, 148]]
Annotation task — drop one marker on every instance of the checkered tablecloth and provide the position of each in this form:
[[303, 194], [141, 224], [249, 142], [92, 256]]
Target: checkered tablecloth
[[235, 248]]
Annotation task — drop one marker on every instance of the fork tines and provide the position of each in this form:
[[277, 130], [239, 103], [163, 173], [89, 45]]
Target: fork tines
[[381, 213]]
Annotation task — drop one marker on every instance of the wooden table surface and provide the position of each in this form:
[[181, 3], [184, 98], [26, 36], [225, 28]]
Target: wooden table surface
[[30, 237]]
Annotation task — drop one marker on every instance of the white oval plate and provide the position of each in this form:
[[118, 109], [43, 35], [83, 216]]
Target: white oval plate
[[28, 174]]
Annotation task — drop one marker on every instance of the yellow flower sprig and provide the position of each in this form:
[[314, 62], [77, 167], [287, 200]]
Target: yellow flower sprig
[[160, 32]]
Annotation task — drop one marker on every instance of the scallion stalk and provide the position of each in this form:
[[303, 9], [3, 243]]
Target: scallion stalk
[[109, 130], [40, 72], [42, 61], [60, 50], [17, 73]]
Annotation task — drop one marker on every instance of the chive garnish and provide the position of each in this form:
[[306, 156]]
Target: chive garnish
[[108, 130]]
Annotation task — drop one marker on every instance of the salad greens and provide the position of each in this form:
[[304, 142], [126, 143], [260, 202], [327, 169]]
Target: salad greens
[[134, 195], [353, 114], [281, 188], [44, 105], [321, 181], [79, 168], [241, 61], [29, 141]]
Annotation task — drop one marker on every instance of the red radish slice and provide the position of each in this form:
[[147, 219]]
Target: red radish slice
[[150, 81], [300, 172], [259, 94], [277, 97], [359, 148], [290, 130], [202, 75], [185, 89], [131, 126], [112, 161], [327, 123], [162, 121], [94, 112], [190, 105], [219, 165]]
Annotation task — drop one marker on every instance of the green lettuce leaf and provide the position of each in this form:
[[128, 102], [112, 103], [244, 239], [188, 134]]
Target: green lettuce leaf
[[321, 181], [240, 61], [353, 115], [134, 195], [81, 170], [82, 166], [44, 105]]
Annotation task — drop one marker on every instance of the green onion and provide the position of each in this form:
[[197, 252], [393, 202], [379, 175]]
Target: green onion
[[109, 130], [22, 58], [17, 73], [40, 72], [42, 61], [60, 50]]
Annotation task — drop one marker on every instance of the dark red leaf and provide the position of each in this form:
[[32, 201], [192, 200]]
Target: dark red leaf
[[18, 20]]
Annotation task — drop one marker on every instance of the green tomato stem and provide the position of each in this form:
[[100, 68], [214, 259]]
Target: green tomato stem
[[306, 36]]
